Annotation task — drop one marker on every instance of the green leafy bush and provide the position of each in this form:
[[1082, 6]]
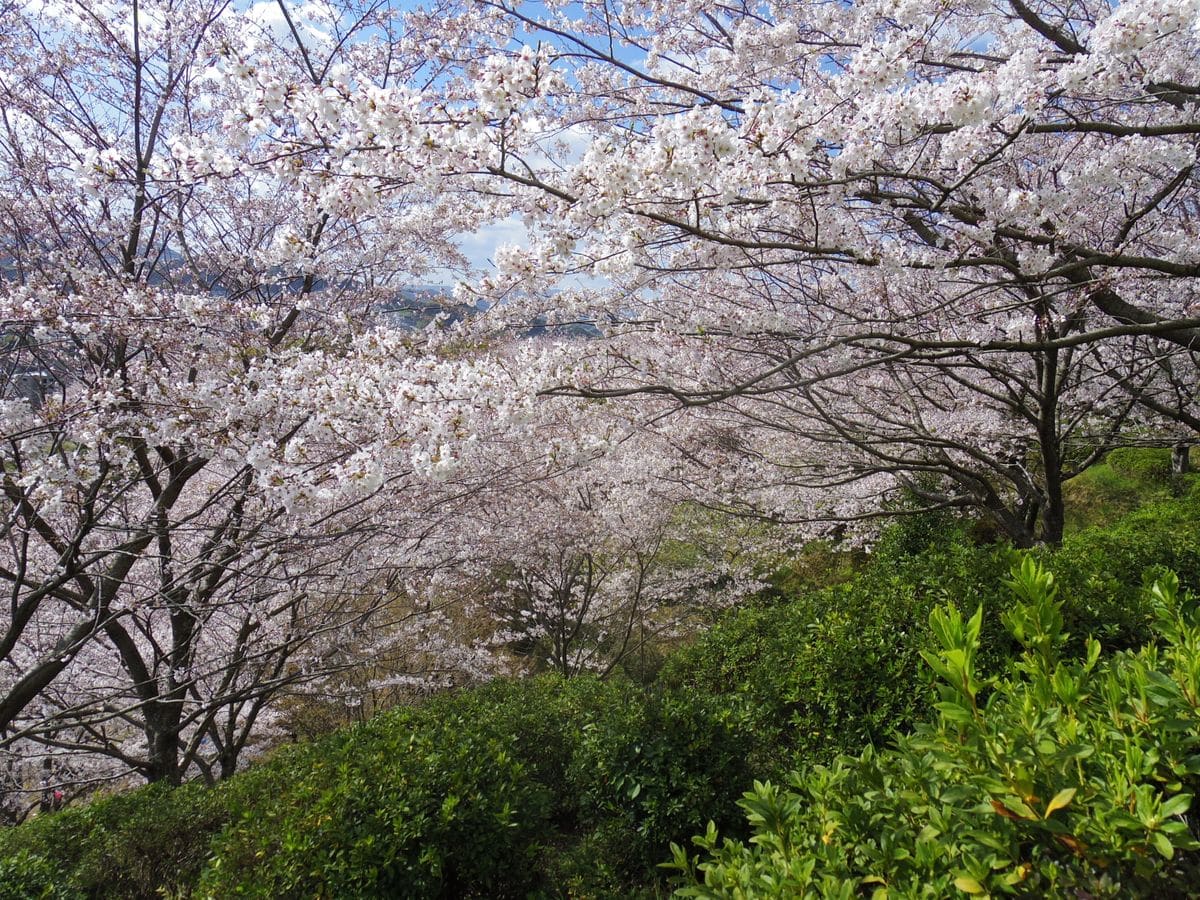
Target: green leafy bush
[[408, 805], [834, 670], [132, 845], [627, 771], [1146, 464], [27, 876], [1067, 777], [506, 790], [646, 772], [1101, 570], [513, 789], [1125, 481]]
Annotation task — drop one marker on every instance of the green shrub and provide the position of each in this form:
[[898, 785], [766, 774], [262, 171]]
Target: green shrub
[[839, 668], [1123, 483], [1128, 479], [1101, 569], [915, 530], [27, 876], [513, 789], [627, 771], [834, 670], [1144, 464], [1100, 495], [543, 717], [1066, 778], [816, 565], [646, 772], [407, 805], [505, 790], [131, 845]]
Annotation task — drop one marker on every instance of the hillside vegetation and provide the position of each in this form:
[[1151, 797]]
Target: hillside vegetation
[[949, 719]]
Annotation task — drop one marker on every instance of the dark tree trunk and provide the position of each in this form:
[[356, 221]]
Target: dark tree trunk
[[1051, 450], [162, 735]]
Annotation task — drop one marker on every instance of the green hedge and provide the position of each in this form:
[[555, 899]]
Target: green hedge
[[833, 670], [404, 806], [131, 845], [1126, 480], [1145, 464], [503, 791], [511, 790], [1066, 778], [839, 668]]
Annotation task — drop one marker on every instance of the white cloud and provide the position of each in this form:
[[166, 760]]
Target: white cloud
[[479, 246]]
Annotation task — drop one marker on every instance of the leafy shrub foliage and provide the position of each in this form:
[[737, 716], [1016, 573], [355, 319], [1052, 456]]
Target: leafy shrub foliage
[[133, 845], [504, 791], [840, 668], [28, 876], [514, 789], [645, 772], [1143, 464], [387, 810], [1101, 570], [1127, 479], [1067, 777]]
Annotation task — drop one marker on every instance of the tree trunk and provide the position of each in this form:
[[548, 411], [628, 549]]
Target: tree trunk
[[1181, 462], [1053, 514], [162, 736], [1051, 451]]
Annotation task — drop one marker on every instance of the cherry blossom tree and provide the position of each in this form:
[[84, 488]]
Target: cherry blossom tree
[[847, 251], [998, 199], [204, 432], [604, 548]]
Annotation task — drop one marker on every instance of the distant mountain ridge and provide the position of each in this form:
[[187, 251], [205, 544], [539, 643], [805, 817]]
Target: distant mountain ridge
[[412, 308]]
